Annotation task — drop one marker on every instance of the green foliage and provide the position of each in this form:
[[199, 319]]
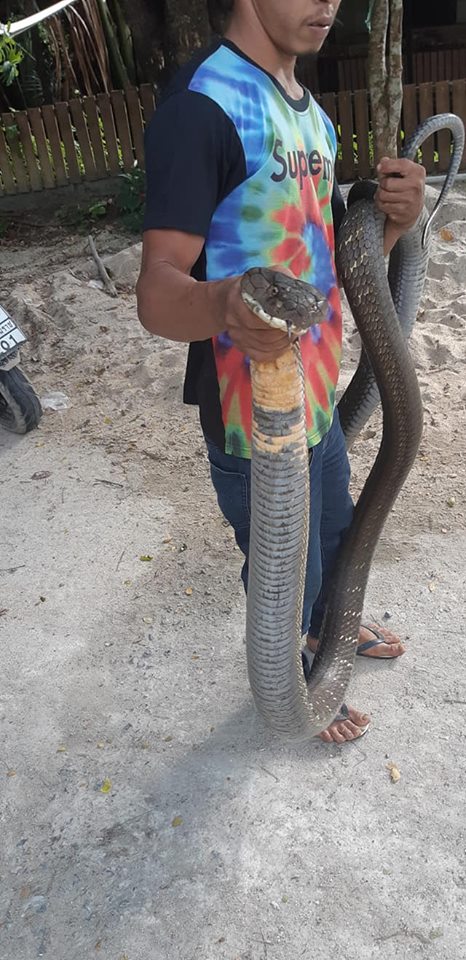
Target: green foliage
[[11, 55], [98, 209], [130, 202]]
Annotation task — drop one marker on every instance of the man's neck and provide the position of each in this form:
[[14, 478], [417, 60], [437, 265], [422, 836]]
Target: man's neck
[[254, 42]]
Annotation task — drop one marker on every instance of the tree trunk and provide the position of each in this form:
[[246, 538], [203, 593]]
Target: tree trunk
[[165, 33], [146, 22], [386, 74], [186, 29]]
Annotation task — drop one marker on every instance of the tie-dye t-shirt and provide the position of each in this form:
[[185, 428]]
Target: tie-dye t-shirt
[[260, 169]]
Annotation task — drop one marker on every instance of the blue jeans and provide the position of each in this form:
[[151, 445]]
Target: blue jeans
[[331, 513]]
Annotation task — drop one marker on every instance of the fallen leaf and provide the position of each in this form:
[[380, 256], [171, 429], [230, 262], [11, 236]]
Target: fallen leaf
[[61, 749], [395, 774], [167, 540], [167, 739], [108, 420], [177, 822], [189, 591], [446, 234], [451, 501], [101, 745], [106, 786], [41, 475], [147, 620], [11, 773], [146, 558], [432, 587]]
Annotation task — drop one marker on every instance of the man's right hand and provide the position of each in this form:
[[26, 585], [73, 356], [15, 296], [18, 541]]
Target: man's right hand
[[172, 304], [248, 332]]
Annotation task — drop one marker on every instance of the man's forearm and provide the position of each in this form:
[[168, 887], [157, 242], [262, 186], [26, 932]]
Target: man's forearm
[[173, 305], [391, 236]]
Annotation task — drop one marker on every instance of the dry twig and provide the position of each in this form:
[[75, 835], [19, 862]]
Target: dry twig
[[103, 274]]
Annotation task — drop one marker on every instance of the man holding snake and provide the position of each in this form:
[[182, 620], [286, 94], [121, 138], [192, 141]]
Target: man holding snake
[[240, 173]]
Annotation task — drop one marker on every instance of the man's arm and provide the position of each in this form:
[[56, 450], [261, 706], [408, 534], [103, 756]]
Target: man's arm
[[172, 304], [400, 196]]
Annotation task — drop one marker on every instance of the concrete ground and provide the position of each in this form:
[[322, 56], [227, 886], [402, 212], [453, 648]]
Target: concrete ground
[[146, 813]]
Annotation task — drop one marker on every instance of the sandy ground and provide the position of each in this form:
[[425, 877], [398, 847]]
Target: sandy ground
[[146, 814]]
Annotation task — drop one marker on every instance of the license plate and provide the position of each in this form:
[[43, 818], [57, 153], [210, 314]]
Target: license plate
[[11, 336]]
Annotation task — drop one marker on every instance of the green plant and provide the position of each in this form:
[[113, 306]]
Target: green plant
[[11, 55], [81, 217], [130, 202], [98, 209]]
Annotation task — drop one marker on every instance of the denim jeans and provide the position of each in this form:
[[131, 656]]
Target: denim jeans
[[330, 515]]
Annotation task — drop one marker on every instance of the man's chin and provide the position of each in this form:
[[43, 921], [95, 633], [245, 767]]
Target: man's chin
[[311, 50], [306, 49]]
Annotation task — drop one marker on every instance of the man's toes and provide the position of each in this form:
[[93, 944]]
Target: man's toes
[[388, 649], [333, 735], [349, 728], [384, 642]]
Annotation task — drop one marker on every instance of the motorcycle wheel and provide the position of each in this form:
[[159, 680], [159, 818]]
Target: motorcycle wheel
[[20, 409]]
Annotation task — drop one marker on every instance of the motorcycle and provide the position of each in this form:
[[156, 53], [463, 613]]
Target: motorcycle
[[20, 409]]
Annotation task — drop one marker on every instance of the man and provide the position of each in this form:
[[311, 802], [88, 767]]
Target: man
[[240, 173]]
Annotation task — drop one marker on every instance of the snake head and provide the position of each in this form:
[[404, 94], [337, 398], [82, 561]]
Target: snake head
[[283, 301]]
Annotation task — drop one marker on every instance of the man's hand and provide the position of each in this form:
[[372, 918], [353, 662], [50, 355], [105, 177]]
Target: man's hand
[[400, 194], [248, 332]]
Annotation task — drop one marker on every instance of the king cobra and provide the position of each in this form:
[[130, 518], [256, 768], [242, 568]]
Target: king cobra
[[384, 309]]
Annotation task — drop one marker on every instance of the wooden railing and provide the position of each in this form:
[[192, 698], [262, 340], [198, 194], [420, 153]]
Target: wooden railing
[[343, 72], [94, 138]]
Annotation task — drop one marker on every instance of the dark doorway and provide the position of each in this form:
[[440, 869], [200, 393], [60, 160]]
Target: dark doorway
[[430, 13]]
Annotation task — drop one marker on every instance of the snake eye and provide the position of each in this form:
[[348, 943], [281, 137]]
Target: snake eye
[[274, 291]]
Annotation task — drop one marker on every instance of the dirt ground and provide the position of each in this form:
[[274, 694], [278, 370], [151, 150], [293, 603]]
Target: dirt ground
[[146, 813]]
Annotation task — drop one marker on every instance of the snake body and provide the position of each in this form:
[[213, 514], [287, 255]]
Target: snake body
[[280, 463], [406, 273]]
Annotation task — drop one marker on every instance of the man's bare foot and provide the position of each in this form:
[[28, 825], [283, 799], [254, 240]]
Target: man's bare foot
[[376, 642], [349, 726]]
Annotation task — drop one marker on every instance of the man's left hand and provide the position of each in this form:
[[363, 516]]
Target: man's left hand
[[400, 193]]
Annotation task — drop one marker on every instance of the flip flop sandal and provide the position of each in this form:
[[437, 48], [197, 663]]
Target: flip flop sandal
[[344, 715], [370, 644], [307, 657]]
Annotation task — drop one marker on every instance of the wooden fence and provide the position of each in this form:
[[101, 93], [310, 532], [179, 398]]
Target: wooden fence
[[99, 137], [350, 73]]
